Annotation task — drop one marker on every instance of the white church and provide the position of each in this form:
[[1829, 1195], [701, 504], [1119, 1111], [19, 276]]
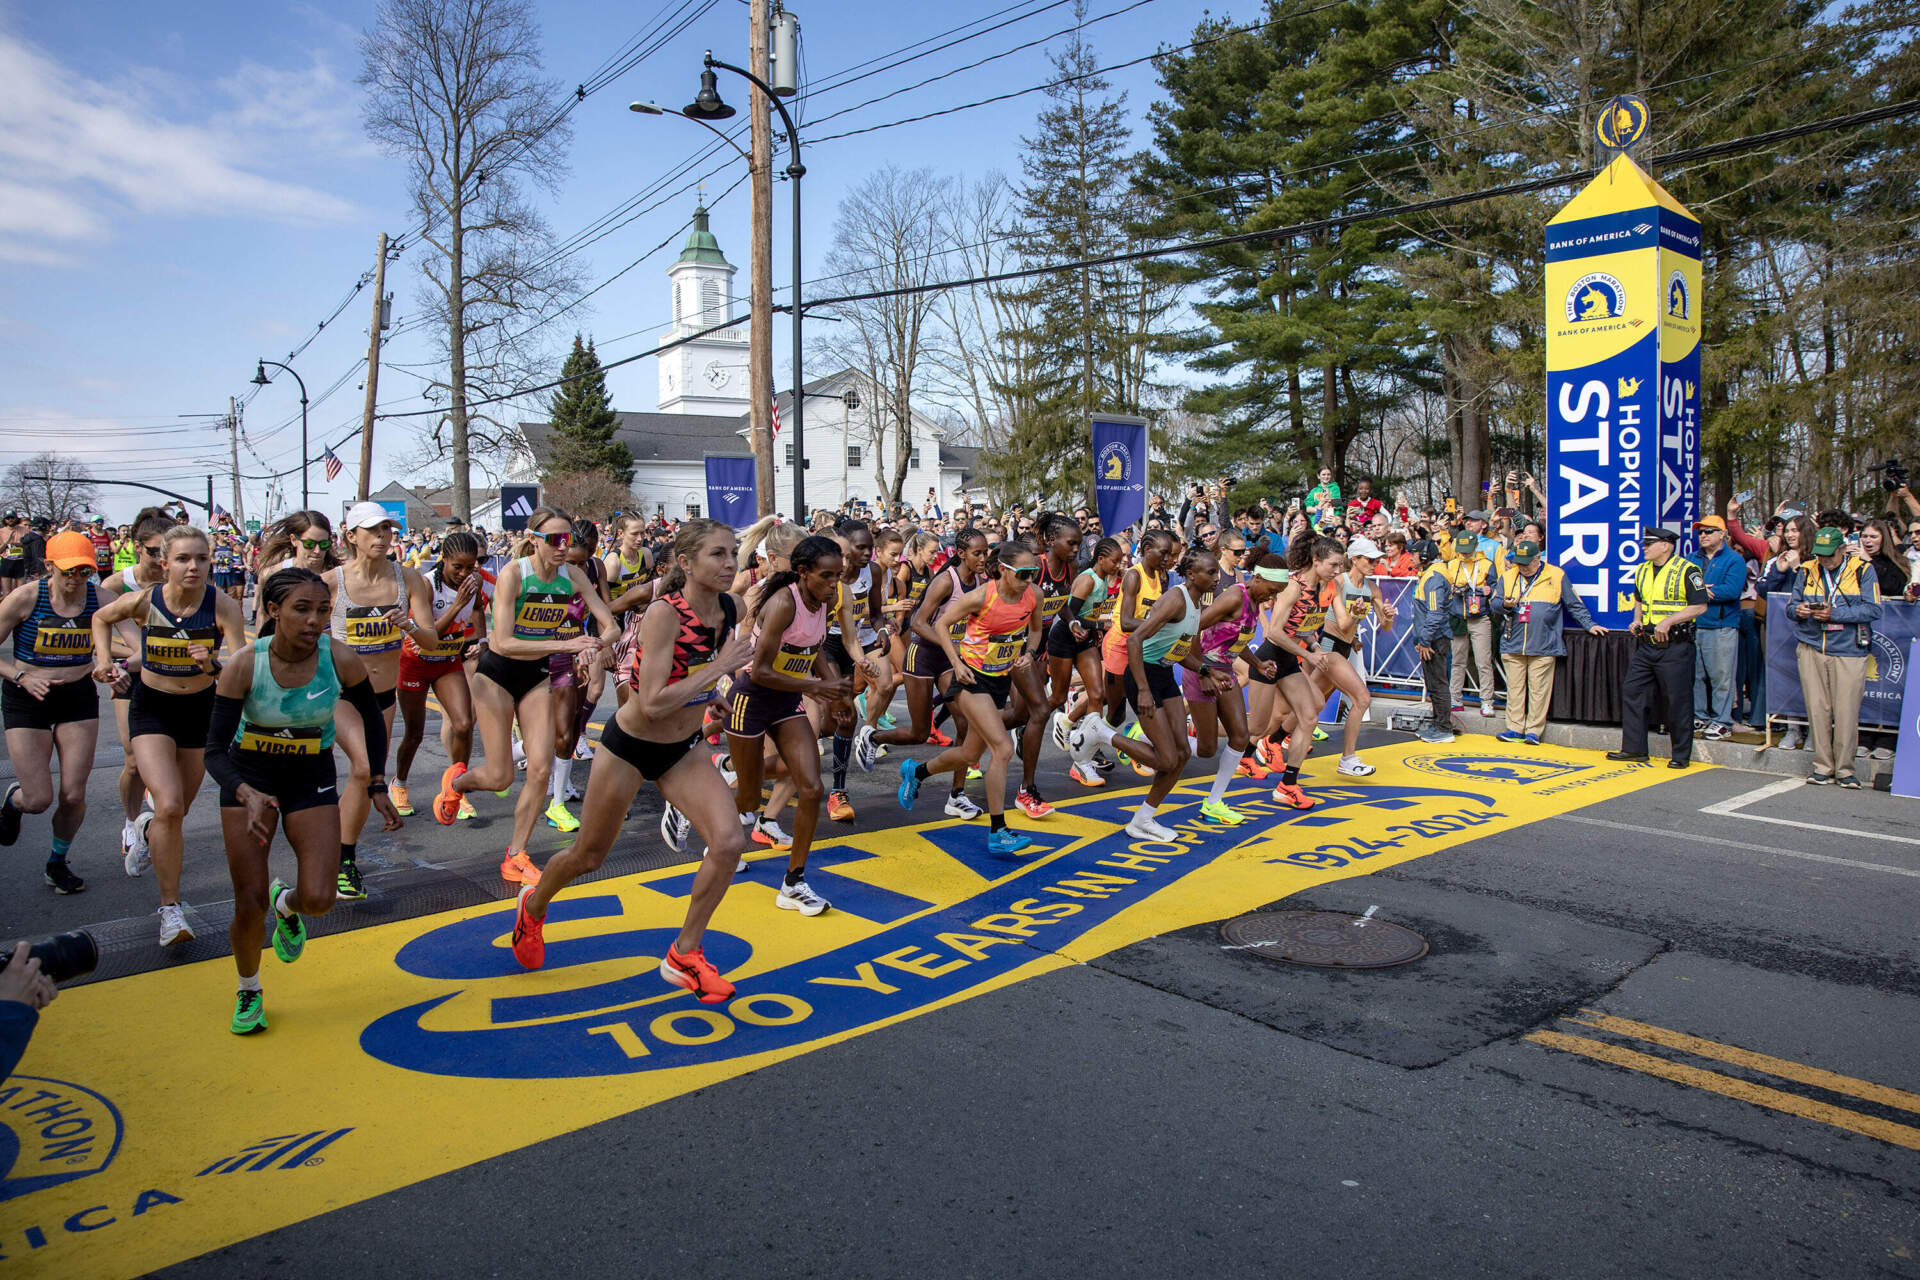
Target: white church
[[703, 409]]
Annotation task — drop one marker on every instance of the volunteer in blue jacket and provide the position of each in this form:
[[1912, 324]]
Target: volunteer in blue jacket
[[1429, 623], [1534, 597], [1716, 641], [1833, 604]]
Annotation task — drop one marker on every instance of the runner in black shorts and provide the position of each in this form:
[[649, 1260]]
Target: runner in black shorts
[[270, 747], [149, 570], [687, 643], [928, 670], [1073, 646]]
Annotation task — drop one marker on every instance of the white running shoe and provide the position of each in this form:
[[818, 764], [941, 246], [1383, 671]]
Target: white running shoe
[[797, 897], [138, 856], [582, 749], [1062, 731], [723, 761], [173, 925], [774, 832], [958, 806], [674, 827], [864, 753], [574, 794], [742, 868], [519, 754], [1355, 767], [1145, 828]]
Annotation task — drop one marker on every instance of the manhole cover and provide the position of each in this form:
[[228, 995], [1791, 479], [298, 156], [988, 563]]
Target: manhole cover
[[1324, 939]]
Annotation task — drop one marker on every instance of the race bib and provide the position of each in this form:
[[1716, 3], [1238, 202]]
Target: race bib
[[541, 614], [287, 740], [795, 663], [1177, 651], [65, 642], [703, 698], [366, 629], [167, 653]]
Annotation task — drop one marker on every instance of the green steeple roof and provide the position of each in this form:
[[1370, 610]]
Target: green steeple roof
[[701, 246]]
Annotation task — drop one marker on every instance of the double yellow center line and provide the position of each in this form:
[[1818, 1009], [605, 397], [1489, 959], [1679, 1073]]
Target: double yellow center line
[[1733, 1087]]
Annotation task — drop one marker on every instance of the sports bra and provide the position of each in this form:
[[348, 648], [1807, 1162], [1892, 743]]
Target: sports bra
[[800, 641], [464, 628], [577, 622], [1308, 612], [630, 575], [1222, 641], [995, 635], [1171, 642], [693, 646], [289, 722], [1054, 592], [45, 638], [168, 637], [364, 628]]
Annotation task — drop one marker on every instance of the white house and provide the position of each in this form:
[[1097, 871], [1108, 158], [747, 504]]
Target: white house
[[704, 402]]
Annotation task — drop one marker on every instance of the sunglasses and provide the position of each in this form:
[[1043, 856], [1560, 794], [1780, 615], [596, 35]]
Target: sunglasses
[[152, 553], [79, 571], [558, 541], [312, 545], [1031, 571]]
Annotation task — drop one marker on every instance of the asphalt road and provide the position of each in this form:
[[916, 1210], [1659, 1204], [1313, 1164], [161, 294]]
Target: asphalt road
[[1647, 1041]]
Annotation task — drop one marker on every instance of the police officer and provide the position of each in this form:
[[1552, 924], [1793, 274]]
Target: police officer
[[1668, 594]]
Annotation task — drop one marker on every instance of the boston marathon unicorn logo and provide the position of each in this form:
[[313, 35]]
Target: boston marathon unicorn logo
[[1677, 301], [1596, 296], [1115, 463]]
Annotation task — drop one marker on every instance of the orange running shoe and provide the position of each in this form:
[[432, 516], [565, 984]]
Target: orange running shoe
[[529, 940], [518, 868], [935, 738], [402, 802], [1250, 767], [693, 972], [1086, 775], [1031, 804], [1290, 794], [839, 808], [446, 805]]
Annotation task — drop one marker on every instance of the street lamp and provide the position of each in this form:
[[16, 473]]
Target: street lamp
[[260, 379]]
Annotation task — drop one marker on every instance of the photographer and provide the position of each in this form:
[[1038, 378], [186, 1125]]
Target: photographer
[[1833, 604], [24, 991]]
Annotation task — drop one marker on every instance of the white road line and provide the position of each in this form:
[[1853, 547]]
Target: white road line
[[1731, 809], [1669, 834]]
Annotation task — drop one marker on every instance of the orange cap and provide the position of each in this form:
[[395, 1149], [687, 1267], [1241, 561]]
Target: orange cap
[[1711, 522], [70, 551]]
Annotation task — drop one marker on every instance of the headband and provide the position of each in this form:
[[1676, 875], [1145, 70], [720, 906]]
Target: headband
[[1270, 573]]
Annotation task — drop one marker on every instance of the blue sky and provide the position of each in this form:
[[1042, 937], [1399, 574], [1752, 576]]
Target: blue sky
[[185, 188]]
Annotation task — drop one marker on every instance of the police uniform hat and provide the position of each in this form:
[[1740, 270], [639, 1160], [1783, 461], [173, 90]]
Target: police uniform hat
[[1651, 534]]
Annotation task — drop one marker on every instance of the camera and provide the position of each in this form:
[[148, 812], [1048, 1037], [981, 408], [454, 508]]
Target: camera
[[1894, 475], [64, 956]]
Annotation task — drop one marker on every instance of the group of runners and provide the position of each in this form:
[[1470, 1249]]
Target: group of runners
[[765, 647]]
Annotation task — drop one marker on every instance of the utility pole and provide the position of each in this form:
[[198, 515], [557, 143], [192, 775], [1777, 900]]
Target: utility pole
[[760, 251], [373, 364], [233, 444]]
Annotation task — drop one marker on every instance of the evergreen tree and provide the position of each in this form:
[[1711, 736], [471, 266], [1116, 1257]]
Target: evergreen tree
[[582, 420]]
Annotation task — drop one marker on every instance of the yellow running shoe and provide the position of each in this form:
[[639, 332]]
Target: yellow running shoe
[[557, 816]]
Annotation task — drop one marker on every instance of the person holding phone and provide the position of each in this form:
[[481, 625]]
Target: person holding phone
[[1833, 603]]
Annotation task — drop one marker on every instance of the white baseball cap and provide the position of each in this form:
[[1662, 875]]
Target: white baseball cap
[[369, 515], [1363, 547]]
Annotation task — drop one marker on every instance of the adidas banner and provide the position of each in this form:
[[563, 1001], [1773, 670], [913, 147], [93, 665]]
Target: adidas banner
[[517, 502]]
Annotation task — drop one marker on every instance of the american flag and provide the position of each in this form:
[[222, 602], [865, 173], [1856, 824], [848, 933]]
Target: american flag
[[776, 417], [332, 465]]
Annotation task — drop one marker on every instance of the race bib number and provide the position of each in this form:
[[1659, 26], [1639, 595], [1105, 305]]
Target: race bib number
[[366, 629], [1177, 651], [1050, 607], [168, 653], [65, 642], [702, 698], [288, 740], [794, 663], [541, 615], [997, 657]]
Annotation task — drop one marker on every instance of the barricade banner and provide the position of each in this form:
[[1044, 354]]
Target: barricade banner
[[1906, 758], [732, 498], [1888, 664], [1390, 655], [1120, 470], [517, 502]]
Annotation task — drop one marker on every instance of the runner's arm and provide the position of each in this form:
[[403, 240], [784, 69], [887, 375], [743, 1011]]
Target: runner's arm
[[229, 696], [357, 690], [957, 612], [13, 611]]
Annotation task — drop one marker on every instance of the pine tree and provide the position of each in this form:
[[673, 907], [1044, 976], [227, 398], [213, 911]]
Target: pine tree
[[580, 436]]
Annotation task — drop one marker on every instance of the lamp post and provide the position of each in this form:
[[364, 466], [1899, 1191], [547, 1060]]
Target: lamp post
[[260, 379]]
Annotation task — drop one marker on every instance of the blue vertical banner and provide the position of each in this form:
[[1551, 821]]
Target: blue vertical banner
[[396, 509], [1120, 470], [1906, 757], [517, 502], [731, 496]]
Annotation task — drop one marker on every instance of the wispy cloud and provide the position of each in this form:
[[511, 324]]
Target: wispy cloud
[[79, 154]]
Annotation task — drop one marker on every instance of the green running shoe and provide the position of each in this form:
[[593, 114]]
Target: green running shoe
[[1319, 734], [348, 885], [1218, 811], [289, 932], [249, 1014], [557, 816]]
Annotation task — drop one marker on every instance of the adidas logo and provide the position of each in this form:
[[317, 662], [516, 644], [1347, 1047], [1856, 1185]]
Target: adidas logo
[[521, 507], [1641, 228], [287, 1151]]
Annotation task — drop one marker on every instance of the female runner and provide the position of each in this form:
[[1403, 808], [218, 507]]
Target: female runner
[[49, 704], [183, 623], [270, 747], [376, 602], [1140, 587], [911, 573], [1349, 597], [149, 570], [688, 641], [888, 646], [1293, 618], [629, 569], [578, 679], [1001, 620], [1213, 693], [1061, 536], [1073, 647], [530, 602], [789, 610], [857, 606], [929, 670], [436, 660], [300, 540]]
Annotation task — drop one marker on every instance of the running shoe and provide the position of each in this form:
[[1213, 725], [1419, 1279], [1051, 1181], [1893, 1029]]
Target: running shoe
[[864, 753], [518, 868], [1104, 762], [974, 774], [886, 721], [173, 925], [1058, 726], [348, 884], [1488, 710], [582, 749], [839, 808], [529, 935], [572, 794], [1533, 739], [1511, 736], [1262, 754], [860, 706], [724, 763], [1145, 828], [466, 809], [1320, 735], [909, 783], [1138, 735], [289, 932], [402, 802], [1250, 767], [1845, 781], [674, 828], [1355, 767], [1433, 734], [768, 832], [138, 856], [1086, 775], [1007, 840], [1290, 794], [935, 738], [249, 1014], [959, 806], [61, 877], [798, 897], [693, 972], [557, 816], [10, 815], [1219, 811], [1031, 804], [446, 804]]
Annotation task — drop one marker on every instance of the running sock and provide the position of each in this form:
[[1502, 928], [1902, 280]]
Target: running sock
[[346, 853], [921, 771], [842, 756], [283, 904], [126, 832], [1291, 776], [1223, 776], [1146, 812], [997, 821], [795, 877], [941, 714], [1193, 746], [60, 848], [250, 984]]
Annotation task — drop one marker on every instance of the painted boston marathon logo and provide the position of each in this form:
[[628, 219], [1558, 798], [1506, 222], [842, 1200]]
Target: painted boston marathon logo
[[52, 1132]]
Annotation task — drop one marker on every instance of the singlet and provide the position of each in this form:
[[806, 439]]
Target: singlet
[[47, 639], [289, 722], [1170, 643], [917, 580], [577, 622], [541, 610], [959, 629], [630, 575], [463, 629], [1054, 592], [1221, 642], [1095, 604], [168, 636], [1308, 612], [799, 642], [995, 635], [693, 647], [858, 606], [1150, 589], [364, 628], [1359, 602]]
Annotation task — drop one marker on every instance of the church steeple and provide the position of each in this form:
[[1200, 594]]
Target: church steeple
[[701, 247], [707, 374]]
